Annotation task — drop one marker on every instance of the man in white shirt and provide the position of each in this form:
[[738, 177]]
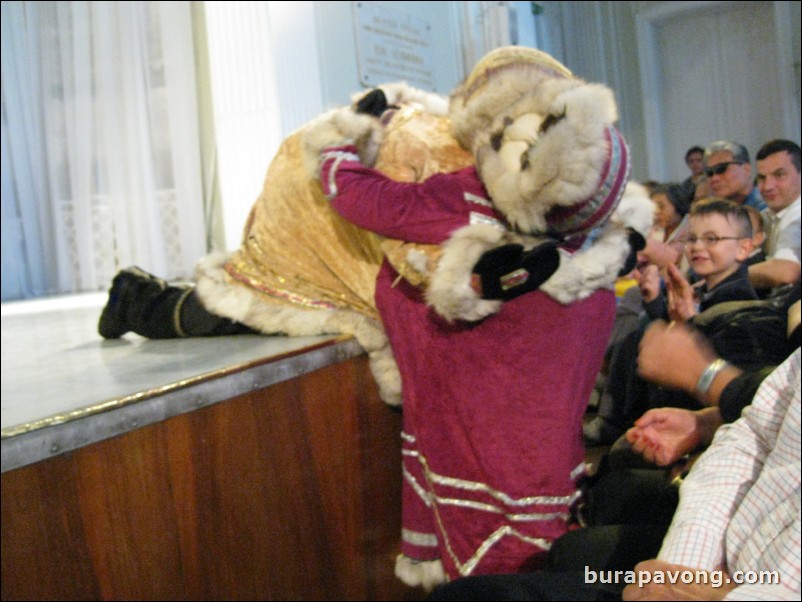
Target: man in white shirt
[[738, 518], [779, 181]]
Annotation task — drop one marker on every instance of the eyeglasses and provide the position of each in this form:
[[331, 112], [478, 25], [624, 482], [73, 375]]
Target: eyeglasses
[[719, 169], [709, 240]]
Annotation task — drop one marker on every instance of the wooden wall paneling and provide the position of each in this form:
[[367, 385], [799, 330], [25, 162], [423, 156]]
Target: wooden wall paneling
[[41, 522], [129, 520], [289, 492]]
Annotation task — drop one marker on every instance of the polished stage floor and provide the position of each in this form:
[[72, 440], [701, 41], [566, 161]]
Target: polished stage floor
[[57, 369]]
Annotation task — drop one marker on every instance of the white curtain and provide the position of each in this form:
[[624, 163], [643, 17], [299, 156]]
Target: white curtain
[[101, 164]]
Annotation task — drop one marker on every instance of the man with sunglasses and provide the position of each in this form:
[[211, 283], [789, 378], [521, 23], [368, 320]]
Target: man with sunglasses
[[779, 180], [729, 174]]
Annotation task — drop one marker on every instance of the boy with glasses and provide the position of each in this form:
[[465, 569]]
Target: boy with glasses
[[729, 174], [718, 242]]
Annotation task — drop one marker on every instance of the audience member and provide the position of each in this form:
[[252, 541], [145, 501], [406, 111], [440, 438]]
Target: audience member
[[720, 235], [779, 180], [717, 244], [729, 173], [694, 159], [678, 356], [758, 254], [665, 244], [739, 508], [702, 190]]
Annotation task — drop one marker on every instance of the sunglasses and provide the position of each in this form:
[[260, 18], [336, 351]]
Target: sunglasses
[[719, 169]]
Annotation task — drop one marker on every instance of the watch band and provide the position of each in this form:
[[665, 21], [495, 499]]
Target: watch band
[[707, 376]]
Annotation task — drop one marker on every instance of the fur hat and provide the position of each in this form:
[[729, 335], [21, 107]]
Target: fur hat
[[576, 221], [497, 84], [544, 142]]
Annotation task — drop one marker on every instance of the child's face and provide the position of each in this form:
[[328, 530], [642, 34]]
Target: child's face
[[717, 261], [665, 215]]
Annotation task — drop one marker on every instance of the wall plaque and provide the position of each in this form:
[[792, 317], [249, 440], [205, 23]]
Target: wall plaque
[[393, 46]]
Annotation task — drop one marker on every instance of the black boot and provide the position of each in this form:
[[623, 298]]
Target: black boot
[[142, 303], [196, 321], [148, 306]]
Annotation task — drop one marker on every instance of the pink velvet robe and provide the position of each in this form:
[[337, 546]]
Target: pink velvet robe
[[492, 410]]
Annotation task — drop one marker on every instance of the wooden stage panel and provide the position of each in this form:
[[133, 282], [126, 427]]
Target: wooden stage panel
[[285, 493]]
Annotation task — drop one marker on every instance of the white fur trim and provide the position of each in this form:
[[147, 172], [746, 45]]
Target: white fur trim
[[635, 210], [450, 292], [418, 261], [597, 267], [589, 270], [223, 297], [427, 574], [337, 127]]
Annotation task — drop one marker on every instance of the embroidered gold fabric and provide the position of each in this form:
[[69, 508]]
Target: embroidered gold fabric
[[296, 250], [417, 146]]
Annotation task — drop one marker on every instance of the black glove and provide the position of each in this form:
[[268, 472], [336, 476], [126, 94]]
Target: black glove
[[636, 244], [508, 271], [373, 103]]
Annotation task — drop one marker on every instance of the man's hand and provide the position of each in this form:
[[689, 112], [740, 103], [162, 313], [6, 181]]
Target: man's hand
[[674, 355], [666, 435], [666, 583]]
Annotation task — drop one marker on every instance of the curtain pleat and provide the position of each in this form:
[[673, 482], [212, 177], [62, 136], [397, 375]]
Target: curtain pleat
[[101, 155]]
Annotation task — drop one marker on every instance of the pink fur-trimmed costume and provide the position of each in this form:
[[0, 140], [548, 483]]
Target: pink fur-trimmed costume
[[493, 390], [492, 445]]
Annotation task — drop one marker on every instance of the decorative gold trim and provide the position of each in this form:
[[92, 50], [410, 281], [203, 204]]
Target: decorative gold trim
[[179, 330], [119, 402]]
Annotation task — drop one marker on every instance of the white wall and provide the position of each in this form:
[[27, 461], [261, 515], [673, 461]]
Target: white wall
[[716, 70], [335, 24], [315, 67], [265, 85]]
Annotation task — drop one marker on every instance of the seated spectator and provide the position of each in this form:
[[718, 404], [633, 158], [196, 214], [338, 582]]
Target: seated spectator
[[665, 244], [758, 237], [694, 159], [779, 180], [720, 236], [718, 242], [678, 356], [729, 174], [702, 190], [739, 507]]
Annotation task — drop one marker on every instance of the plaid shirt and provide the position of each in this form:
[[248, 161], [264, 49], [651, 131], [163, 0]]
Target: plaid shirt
[[740, 506]]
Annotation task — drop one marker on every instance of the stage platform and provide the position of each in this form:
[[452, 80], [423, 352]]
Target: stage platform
[[243, 467]]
